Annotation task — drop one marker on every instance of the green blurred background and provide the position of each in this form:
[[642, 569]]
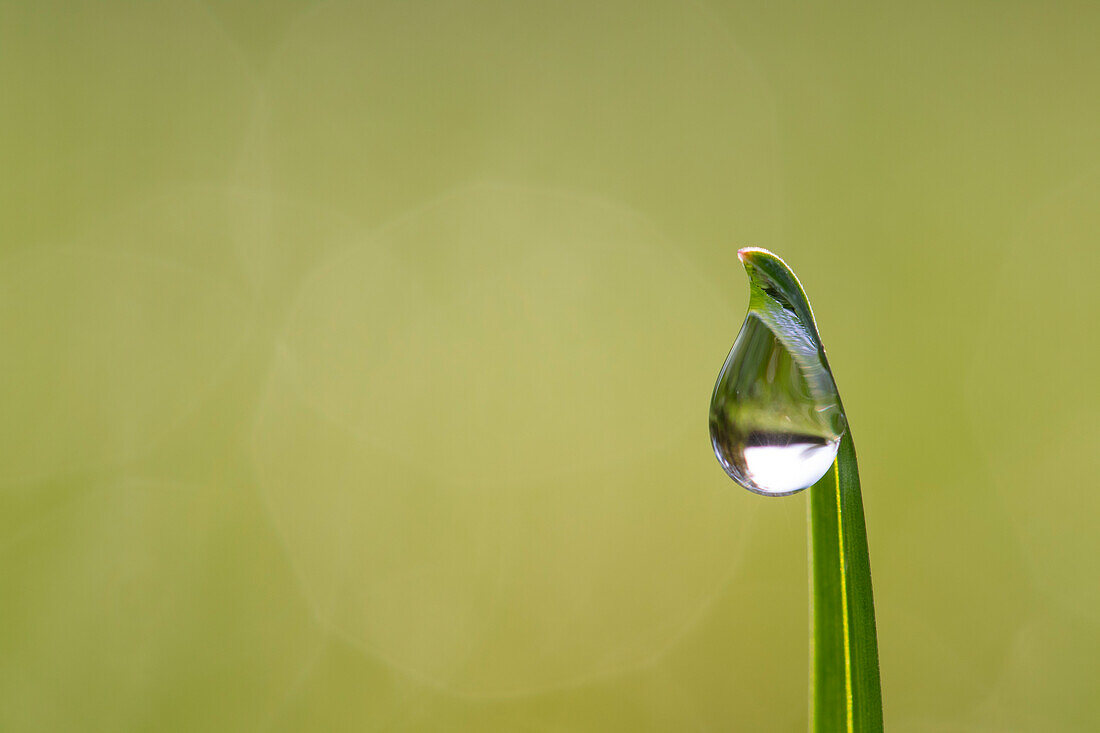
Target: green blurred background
[[355, 360]]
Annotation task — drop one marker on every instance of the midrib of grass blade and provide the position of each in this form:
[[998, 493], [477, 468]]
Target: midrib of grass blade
[[846, 687]]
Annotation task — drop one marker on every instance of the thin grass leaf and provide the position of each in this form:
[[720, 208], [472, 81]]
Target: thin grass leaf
[[847, 692], [747, 403]]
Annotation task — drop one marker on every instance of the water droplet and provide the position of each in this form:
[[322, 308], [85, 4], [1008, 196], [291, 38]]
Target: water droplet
[[775, 418]]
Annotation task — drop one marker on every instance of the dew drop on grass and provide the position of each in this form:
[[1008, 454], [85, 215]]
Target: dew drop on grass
[[775, 417]]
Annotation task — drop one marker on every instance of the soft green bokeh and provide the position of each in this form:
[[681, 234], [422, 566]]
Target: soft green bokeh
[[355, 360]]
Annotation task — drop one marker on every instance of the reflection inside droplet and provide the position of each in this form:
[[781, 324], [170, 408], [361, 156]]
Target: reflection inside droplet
[[775, 418]]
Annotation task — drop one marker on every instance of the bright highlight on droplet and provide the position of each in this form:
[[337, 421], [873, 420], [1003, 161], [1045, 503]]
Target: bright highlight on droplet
[[783, 469]]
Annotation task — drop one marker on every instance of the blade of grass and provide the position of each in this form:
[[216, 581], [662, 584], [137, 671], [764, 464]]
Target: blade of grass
[[847, 691], [847, 695]]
